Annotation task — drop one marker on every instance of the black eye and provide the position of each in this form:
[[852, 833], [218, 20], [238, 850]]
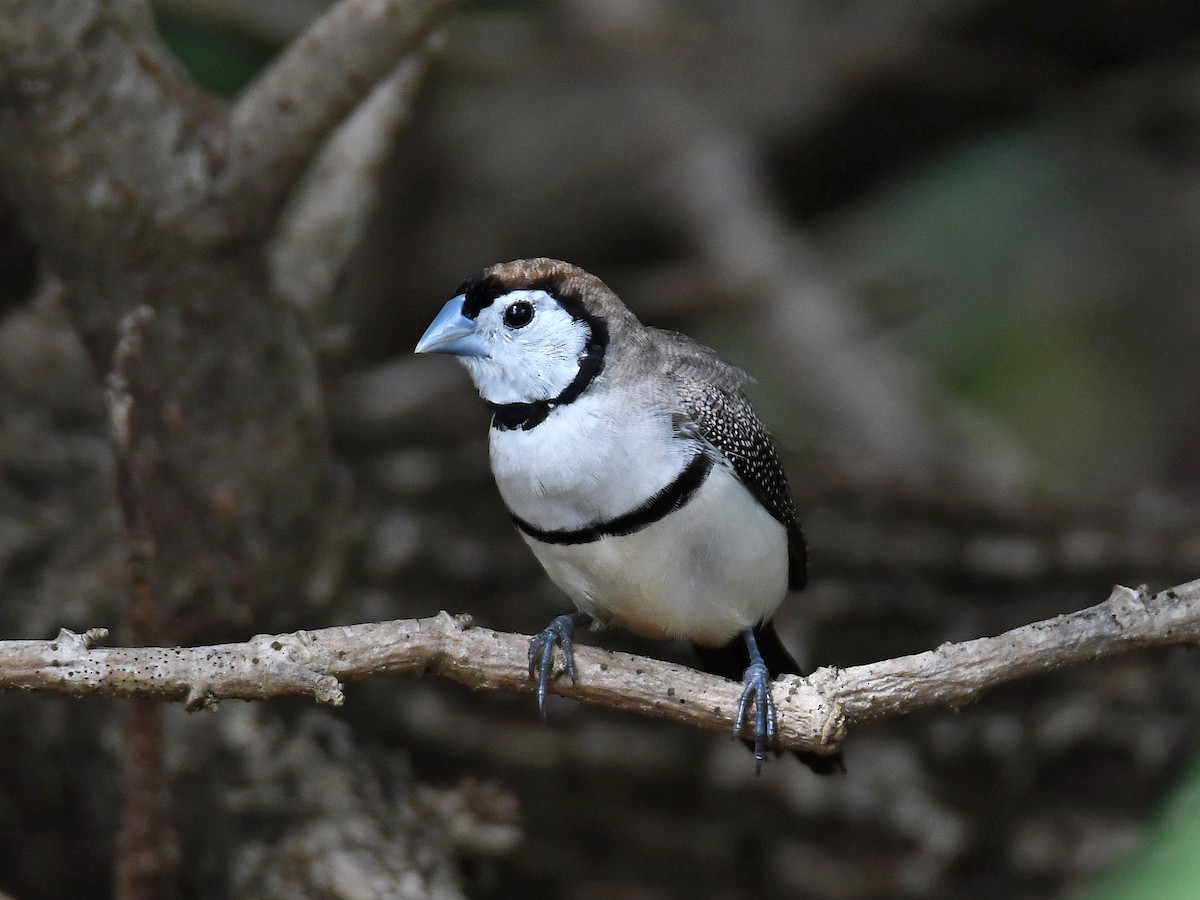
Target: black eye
[[519, 314]]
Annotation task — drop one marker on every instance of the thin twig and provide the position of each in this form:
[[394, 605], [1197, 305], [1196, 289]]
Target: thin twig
[[146, 848], [140, 543], [813, 712]]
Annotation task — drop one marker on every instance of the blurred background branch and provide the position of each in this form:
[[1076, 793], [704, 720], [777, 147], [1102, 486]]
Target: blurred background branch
[[282, 118]]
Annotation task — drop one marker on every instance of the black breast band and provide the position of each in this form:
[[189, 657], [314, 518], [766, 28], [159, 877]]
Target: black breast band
[[675, 495]]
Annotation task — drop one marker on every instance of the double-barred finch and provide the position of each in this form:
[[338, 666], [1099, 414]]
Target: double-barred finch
[[636, 470]]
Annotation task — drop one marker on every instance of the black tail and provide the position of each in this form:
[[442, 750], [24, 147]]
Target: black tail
[[731, 661]]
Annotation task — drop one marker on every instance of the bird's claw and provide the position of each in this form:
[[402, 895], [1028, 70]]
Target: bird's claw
[[756, 691], [560, 632]]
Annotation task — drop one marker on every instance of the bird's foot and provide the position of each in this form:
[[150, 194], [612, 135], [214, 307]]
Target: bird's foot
[[560, 632], [756, 692]]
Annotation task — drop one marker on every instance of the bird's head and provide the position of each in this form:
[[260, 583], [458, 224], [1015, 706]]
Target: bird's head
[[529, 331]]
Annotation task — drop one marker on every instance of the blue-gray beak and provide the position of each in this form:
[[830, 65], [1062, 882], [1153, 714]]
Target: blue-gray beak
[[452, 332]]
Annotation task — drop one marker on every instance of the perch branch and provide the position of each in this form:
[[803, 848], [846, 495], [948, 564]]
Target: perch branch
[[813, 712]]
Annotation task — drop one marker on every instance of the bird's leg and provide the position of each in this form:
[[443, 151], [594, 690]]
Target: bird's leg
[[560, 632], [756, 690]]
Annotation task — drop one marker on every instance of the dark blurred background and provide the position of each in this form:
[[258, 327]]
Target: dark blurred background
[[955, 243]]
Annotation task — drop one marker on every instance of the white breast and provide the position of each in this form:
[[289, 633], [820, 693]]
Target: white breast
[[591, 460], [705, 572]]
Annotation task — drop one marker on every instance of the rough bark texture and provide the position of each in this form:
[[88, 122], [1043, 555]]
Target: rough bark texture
[[814, 712], [142, 190], [110, 152]]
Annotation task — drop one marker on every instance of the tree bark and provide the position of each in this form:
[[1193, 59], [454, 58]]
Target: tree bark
[[143, 190]]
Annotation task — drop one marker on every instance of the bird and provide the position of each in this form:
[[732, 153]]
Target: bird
[[636, 470]]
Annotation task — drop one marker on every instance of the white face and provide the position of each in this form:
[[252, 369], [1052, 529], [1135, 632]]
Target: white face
[[534, 348]]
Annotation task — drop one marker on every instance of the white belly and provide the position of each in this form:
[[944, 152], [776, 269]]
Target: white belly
[[705, 572]]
